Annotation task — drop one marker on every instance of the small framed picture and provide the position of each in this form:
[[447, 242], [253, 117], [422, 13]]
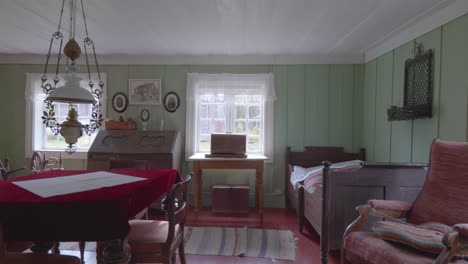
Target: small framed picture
[[144, 91], [144, 115], [119, 102], [171, 102]]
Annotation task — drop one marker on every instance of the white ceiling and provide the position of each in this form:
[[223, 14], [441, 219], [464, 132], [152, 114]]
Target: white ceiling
[[216, 27]]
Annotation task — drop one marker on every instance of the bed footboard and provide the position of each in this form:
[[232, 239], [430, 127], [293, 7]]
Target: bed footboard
[[343, 191]]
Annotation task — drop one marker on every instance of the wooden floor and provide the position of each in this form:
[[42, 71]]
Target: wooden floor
[[308, 248]]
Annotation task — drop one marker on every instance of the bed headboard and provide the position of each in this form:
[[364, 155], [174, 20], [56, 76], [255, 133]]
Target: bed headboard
[[314, 156]]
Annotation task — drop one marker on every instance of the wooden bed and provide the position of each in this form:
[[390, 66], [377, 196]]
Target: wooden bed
[[330, 208]]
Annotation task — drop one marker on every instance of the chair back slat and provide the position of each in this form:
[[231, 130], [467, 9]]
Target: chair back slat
[[444, 196], [176, 208]]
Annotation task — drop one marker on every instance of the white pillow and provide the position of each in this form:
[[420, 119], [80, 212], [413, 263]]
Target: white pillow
[[299, 173]]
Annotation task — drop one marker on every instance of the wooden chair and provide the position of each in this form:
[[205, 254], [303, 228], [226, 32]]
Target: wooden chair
[[29, 258], [5, 170], [441, 203], [157, 241]]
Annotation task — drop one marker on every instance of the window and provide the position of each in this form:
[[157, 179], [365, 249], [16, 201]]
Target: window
[[38, 136], [230, 103]]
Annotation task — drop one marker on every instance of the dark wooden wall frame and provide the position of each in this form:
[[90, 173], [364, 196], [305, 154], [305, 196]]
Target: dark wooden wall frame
[[418, 89]]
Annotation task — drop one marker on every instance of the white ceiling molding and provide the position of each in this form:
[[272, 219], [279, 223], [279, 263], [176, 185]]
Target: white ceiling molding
[[427, 21], [198, 60]]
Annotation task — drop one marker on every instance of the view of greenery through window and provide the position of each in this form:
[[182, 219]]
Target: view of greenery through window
[[220, 113]]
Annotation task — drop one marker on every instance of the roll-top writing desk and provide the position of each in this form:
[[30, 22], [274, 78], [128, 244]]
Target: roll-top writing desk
[[157, 149]]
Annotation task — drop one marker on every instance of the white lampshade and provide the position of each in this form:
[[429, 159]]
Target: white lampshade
[[71, 92]]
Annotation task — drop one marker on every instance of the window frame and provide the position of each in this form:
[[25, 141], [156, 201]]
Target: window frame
[[31, 90], [199, 83]]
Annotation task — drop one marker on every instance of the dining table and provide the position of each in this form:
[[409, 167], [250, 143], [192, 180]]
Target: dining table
[[80, 205]]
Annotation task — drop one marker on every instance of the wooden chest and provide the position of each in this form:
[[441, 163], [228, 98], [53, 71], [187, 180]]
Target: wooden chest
[[228, 145], [233, 199]]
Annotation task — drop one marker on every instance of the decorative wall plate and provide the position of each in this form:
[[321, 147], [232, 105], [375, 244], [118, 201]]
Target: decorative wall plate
[[119, 102], [171, 102]]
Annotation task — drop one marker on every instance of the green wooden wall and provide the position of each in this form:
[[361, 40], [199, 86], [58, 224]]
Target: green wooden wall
[[383, 87], [317, 105]]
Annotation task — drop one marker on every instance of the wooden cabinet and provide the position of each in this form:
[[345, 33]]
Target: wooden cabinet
[[160, 149]]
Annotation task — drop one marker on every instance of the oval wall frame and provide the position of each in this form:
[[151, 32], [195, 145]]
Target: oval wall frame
[[119, 102], [171, 102]]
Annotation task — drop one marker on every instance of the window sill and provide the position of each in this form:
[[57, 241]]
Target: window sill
[[78, 155]]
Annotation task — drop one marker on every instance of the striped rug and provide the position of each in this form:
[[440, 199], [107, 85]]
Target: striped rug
[[248, 242]]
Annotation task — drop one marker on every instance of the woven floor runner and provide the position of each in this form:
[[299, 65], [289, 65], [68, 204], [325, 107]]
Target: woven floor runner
[[249, 242]]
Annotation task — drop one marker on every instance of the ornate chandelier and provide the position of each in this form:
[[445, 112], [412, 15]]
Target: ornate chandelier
[[71, 92]]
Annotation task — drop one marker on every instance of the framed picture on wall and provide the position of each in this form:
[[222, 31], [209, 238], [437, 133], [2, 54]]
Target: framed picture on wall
[[119, 102], [144, 91], [171, 102]]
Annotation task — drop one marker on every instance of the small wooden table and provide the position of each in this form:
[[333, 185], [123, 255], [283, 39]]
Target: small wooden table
[[201, 162]]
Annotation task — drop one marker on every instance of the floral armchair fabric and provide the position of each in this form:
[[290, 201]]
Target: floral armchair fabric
[[443, 201]]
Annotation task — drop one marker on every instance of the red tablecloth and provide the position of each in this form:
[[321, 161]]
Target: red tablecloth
[[93, 215]]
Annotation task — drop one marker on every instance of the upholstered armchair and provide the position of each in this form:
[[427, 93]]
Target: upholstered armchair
[[434, 229]]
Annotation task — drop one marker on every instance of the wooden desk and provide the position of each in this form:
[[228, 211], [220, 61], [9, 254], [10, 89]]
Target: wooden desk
[[200, 162]]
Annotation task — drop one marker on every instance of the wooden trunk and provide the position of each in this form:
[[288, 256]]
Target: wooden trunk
[[233, 199], [228, 145]]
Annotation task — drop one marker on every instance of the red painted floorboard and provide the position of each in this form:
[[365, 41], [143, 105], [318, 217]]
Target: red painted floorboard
[[308, 246]]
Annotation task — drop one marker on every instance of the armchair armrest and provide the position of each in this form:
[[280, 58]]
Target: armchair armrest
[[389, 208], [462, 229], [453, 240], [378, 208]]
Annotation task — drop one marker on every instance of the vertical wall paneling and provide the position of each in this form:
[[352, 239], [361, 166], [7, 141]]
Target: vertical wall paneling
[[117, 81], [4, 109], [296, 116], [281, 114], [358, 108], [401, 141], [426, 130], [316, 105], [383, 101], [176, 81], [454, 82], [302, 112], [341, 106], [369, 109], [14, 97]]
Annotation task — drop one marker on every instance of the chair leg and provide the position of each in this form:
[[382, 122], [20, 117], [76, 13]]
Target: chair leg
[[182, 253], [173, 259], [82, 246], [56, 249]]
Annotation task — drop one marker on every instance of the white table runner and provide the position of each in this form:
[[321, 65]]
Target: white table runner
[[77, 183]]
